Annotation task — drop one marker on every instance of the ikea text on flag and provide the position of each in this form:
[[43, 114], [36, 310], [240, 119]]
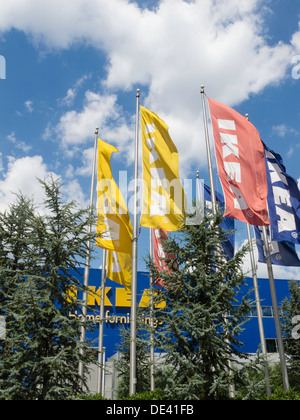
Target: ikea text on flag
[[163, 197], [283, 200], [114, 228], [241, 165]]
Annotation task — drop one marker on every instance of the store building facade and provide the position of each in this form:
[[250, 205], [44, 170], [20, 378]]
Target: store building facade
[[117, 316]]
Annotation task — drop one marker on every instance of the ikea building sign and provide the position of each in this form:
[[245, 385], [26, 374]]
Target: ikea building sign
[[118, 305], [117, 308]]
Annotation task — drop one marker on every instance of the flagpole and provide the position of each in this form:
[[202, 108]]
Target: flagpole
[[87, 263], [101, 324], [284, 372], [209, 159], [285, 378], [198, 195], [258, 307], [214, 208], [133, 367], [259, 313], [152, 356]]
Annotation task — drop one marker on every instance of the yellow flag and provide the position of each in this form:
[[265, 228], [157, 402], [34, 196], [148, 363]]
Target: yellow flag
[[113, 225], [119, 268], [163, 197]]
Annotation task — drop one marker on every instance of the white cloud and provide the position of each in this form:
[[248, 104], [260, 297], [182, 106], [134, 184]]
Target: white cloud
[[296, 40], [73, 191], [18, 143], [22, 177], [29, 106], [282, 130], [86, 163], [75, 128], [57, 24], [186, 41], [72, 92], [172, 49]]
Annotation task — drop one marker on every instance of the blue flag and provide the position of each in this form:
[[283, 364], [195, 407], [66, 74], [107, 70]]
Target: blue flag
[[227, 224], [283, 200], [282, 253]]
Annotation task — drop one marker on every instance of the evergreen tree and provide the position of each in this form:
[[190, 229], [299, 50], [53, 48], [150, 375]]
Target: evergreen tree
[[291, 310], [202, 319], [39, 257], [142, 361]]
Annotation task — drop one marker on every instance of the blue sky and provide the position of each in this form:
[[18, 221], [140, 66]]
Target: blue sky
[[75, 65]]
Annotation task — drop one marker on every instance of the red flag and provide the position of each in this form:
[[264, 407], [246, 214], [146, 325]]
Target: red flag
[[241, 165], [159, 254]]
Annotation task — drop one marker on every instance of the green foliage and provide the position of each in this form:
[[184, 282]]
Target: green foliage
[[91, 397], [145, 396], [139, 396], [142, 359], [291, 309], [202, 321], [281, 395], [251, 384], [38, 256]]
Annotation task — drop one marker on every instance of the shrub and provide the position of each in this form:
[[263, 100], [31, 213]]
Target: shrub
[[91, 397], [146, 396], [281, 395]]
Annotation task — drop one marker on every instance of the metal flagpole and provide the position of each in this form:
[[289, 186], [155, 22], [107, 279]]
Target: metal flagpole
[[152, 356], [258, 308], [198, 187], [87, 262], [214, 207], [259, 314], [284, 372], [209, 159], [133, 378], [200, 201], [101, 325]]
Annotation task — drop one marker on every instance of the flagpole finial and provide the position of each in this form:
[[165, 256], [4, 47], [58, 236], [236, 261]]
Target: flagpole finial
[[247, 117], [202, 88], [198, 177], [138, 93], [97, 130]]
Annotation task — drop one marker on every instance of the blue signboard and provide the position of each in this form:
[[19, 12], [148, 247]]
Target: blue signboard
[[118, 305]]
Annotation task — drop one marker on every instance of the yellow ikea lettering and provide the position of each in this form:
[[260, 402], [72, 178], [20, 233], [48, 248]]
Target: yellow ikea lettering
[[72, 294], [94, 296], [123, 298], [145, 301]]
